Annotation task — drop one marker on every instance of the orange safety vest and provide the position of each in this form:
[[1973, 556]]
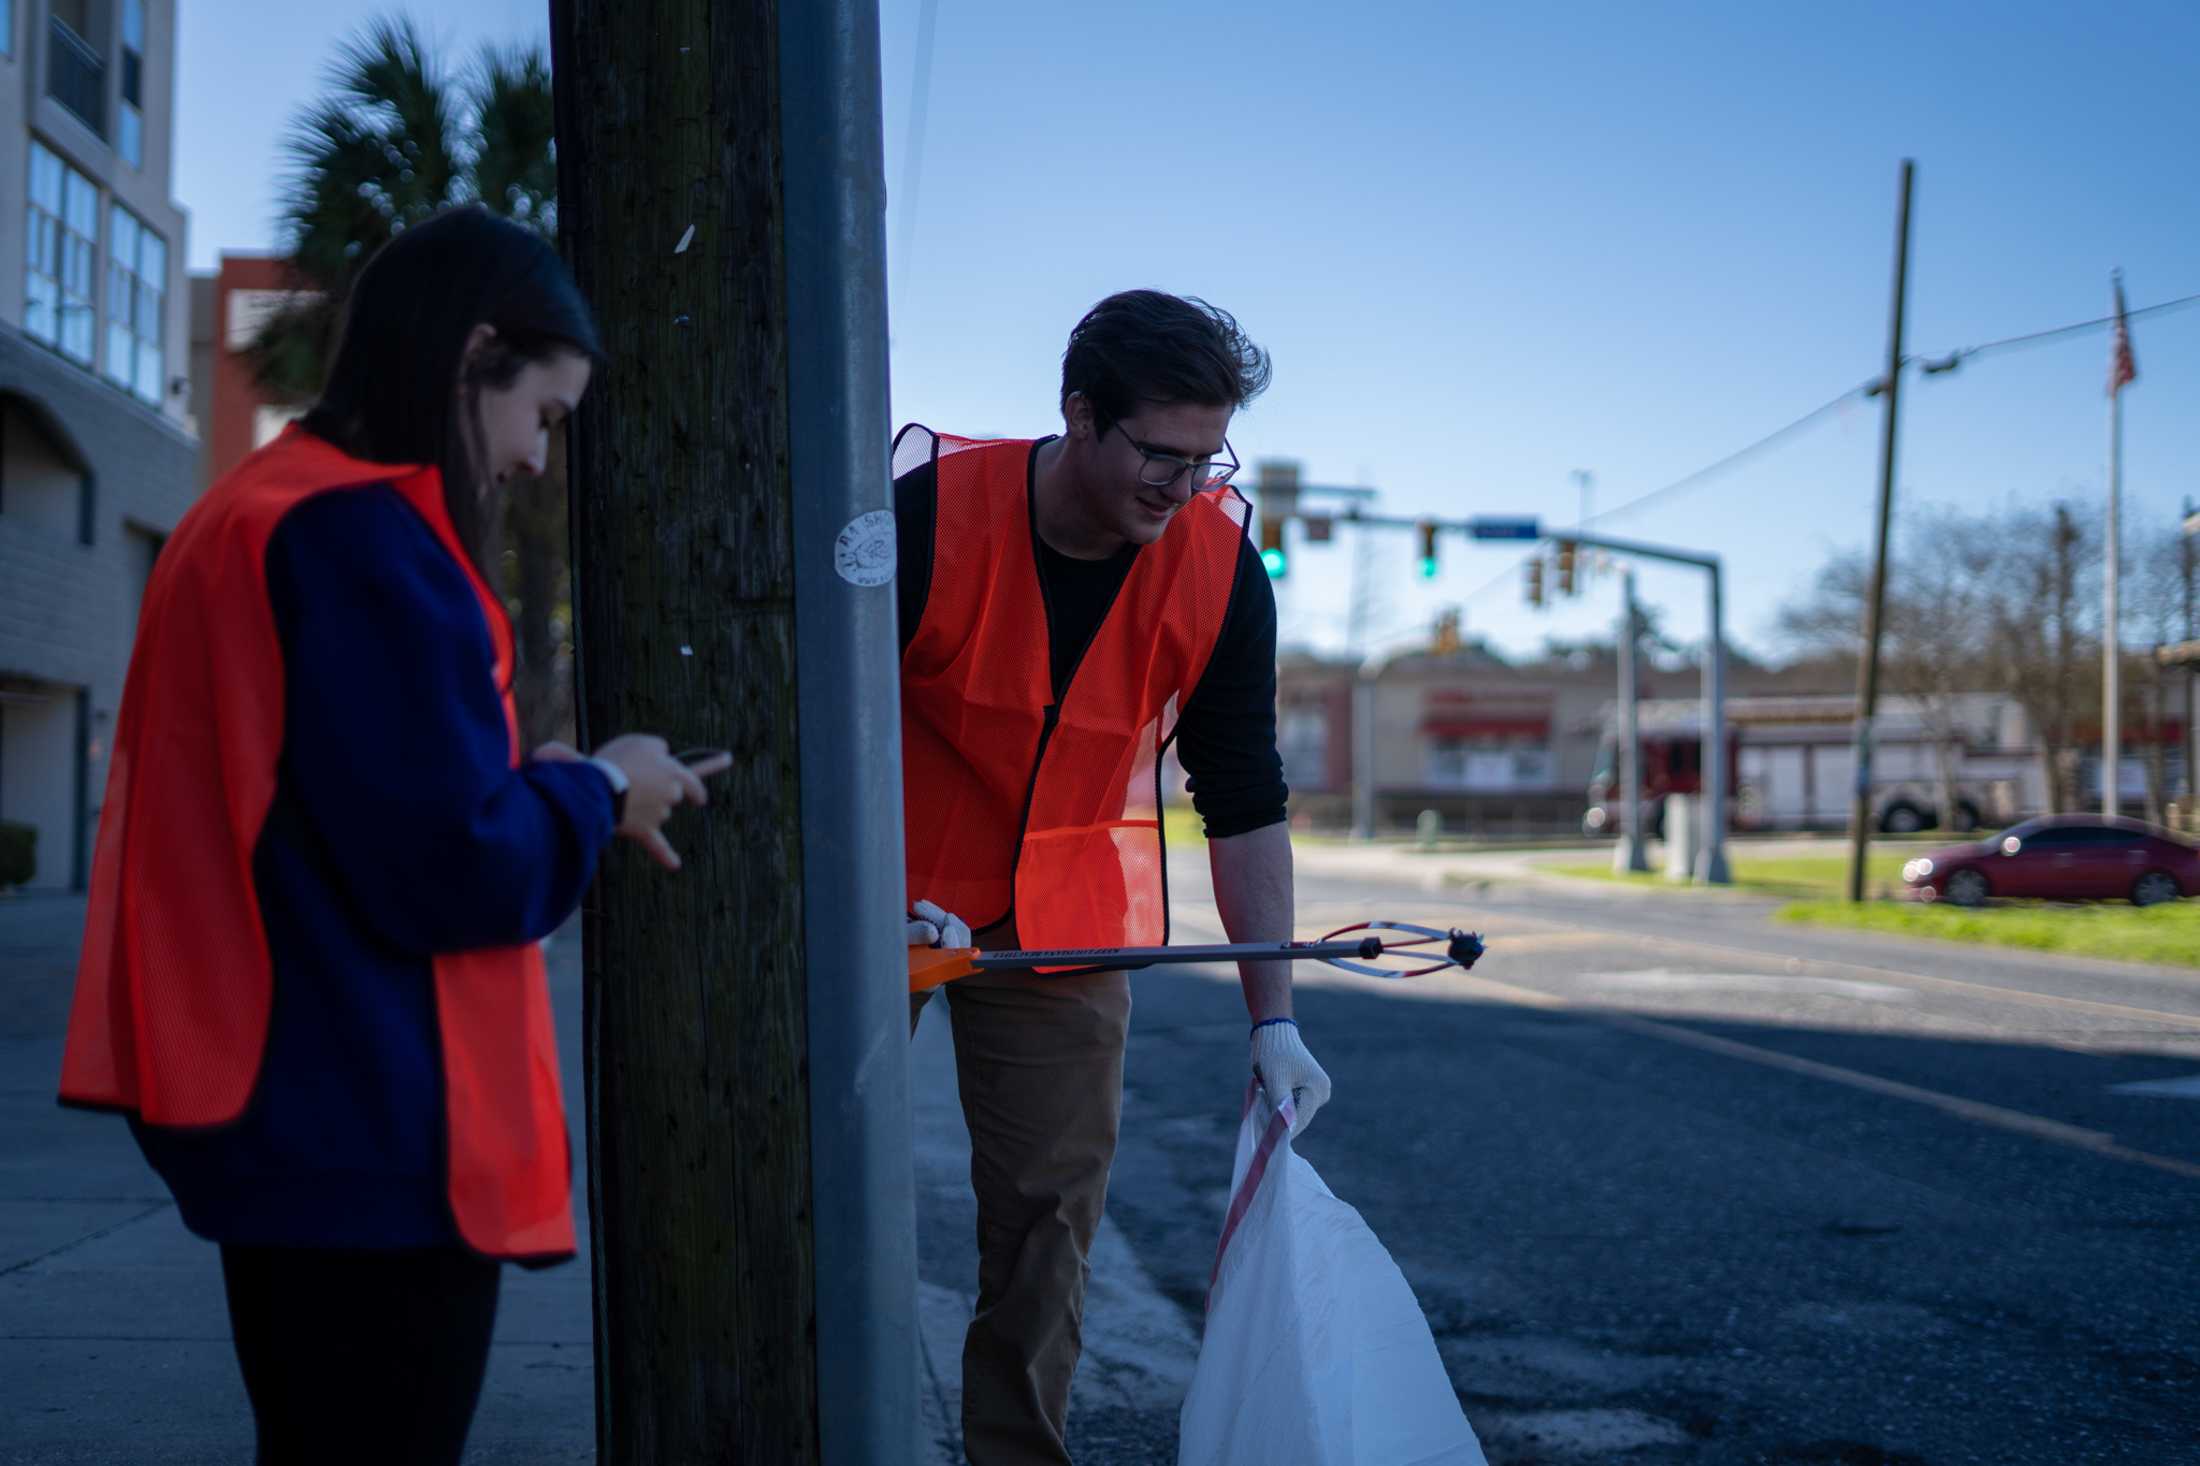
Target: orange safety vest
[[175, 982], [1012, 804]]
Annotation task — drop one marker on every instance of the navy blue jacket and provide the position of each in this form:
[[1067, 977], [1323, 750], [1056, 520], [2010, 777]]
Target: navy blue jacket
[[399, 830]]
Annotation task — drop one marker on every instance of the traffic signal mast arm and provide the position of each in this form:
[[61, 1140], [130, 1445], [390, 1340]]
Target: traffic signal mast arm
[[1639, 551], [1484, 528], [1711, 865]]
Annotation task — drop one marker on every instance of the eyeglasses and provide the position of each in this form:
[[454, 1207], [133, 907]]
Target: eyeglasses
[[1163, 469]]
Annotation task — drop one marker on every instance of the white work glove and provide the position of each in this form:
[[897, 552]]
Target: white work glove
[[1287, 1071], [929, 926]]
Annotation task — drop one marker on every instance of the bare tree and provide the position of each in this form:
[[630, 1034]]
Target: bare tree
[[1938, 621], [2154, 614], [1599, 651], [1370, 605], [2045, 632]]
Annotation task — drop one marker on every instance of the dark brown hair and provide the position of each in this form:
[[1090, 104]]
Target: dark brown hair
[[1148, 346], [394, 388]]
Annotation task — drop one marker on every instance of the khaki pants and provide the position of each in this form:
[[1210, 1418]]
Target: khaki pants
[[1039, 1063]]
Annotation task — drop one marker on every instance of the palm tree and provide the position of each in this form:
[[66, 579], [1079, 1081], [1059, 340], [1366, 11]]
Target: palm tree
[[397, 137]]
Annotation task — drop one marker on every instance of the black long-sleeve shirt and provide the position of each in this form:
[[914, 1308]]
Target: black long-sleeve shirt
[[1226, 730]]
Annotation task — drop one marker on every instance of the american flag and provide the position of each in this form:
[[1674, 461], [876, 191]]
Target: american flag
[[2121, 368]]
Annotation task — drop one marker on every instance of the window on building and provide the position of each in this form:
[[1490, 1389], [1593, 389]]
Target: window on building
[[144, 548], [1302, 741], [63, 227], [130, 124], [1487, 765], [76, 71], [137, 276], [7, 27]]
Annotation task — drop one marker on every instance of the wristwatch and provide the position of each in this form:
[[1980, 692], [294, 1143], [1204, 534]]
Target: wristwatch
[[616, 776]]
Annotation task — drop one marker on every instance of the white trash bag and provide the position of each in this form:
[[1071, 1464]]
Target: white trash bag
[[1316, 1352]]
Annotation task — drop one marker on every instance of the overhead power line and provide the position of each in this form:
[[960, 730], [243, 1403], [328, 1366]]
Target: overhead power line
[[2033, 338], [1688, 480], [1862, 391], [1738, 457]]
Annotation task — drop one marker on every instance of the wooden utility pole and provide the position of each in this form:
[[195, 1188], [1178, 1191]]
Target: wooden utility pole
[[2191, 802], [722, 205], [1867, 690]]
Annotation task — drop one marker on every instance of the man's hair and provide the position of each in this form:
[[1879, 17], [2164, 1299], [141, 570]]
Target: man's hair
[[1144, 346]]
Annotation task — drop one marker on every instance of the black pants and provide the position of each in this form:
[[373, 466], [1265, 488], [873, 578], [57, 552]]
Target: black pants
[[361, 1356]]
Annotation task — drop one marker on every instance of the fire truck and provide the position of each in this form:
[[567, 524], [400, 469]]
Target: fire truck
[[1791, 763]]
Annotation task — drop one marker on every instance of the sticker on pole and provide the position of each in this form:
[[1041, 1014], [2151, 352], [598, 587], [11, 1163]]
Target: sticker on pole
[[864, 553]]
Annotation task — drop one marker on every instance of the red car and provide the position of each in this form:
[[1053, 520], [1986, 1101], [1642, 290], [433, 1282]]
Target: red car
[[2062, 858]]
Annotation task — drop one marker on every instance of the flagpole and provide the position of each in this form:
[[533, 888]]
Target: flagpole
[[2112, 703], [2111, 593]]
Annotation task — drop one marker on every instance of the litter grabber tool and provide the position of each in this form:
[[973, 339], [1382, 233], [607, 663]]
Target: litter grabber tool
[[1364, 948]]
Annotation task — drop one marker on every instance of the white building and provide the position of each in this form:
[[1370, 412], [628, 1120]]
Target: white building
[[98, 453]]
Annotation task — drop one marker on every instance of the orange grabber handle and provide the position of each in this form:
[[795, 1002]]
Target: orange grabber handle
[[929, 967]]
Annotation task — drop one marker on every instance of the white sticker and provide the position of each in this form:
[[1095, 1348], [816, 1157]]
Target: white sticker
[[864, 553]]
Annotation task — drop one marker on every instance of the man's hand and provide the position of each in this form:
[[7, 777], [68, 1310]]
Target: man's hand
[[929, 926], [1288, 1072]]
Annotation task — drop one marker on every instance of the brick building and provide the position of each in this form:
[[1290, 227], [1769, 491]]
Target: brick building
[[240, 415]]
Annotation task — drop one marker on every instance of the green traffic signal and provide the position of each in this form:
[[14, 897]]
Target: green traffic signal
[[1428, 567], [1272, 556]]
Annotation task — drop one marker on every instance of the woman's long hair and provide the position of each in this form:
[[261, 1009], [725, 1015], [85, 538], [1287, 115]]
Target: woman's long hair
[[395, 393]]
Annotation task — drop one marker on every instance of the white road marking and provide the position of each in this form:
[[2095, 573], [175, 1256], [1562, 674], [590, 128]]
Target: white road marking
[[1976, 1112], [2186, 1088], [1662, 979]]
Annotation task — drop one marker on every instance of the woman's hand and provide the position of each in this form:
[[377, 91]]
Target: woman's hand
[[656, 785]]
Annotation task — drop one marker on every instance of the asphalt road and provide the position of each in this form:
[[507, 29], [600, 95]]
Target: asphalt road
[[1671, 1183], [1674, 1184]]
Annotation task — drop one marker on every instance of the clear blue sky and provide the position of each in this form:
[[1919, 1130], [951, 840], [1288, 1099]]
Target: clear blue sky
[[1490, 245]]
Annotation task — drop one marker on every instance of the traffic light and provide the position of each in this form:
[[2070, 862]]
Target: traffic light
[[1535, 581], [1428, 549], [1276, 481], [1565, 567], [1273, 556]]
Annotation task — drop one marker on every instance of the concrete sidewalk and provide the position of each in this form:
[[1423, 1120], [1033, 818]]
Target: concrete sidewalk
[[114, 1337]]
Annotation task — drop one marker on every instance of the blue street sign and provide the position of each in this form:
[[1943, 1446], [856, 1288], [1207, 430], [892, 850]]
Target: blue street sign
[[1483, 527]]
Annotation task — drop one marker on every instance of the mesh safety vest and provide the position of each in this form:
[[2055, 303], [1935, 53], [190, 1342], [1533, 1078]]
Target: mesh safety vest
[[1012, 802], [175, 981]]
